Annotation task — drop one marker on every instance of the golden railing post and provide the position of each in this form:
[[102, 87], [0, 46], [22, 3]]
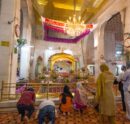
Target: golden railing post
[[47, 79], [1, 90], [47, 88], [9, 88], [116, 90]]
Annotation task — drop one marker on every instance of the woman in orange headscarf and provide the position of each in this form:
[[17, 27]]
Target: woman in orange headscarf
[[105, 95]]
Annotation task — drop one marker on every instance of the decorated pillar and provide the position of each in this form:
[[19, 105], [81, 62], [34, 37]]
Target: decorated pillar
[[99, 48], [25, 53]]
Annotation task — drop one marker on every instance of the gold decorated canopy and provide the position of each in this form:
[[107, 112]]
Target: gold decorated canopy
[[62, 57]]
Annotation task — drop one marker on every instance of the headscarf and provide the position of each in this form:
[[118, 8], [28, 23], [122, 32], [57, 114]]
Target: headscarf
[[66, 92], [104, 67], [82, 93], [80, 86], [66, 89]]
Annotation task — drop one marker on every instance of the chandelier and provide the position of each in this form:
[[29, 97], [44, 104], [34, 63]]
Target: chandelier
[[74, 25]]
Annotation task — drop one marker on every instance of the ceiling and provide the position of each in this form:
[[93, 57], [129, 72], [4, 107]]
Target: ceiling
[[62, 9]]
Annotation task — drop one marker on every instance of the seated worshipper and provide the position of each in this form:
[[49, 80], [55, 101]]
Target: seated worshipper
[[65, 100], [46, 111], [26, 104], [80, 97]]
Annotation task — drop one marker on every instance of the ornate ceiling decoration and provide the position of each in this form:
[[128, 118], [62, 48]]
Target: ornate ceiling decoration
[[63, 9]]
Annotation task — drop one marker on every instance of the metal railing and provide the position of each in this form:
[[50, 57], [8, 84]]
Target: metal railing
[[9, 91]]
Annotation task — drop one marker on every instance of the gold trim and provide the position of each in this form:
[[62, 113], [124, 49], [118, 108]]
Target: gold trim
[[62, 56]]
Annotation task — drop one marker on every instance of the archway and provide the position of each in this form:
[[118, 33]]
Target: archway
[[113, 42], [62, 62]]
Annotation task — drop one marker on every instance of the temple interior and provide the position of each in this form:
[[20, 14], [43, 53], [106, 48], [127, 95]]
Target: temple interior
[[48, 44]]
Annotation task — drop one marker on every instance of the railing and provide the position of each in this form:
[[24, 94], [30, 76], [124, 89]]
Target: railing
[[43, 90], [9, 91]]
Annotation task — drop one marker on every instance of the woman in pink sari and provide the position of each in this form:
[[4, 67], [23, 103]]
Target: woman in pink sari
[[80, 98]]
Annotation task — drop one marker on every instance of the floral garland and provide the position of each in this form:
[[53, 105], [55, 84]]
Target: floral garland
[[64, 40], [53, 22], [58, 26]]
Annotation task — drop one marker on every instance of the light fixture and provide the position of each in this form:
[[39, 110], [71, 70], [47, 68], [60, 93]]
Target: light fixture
[[118, 52], [74, 25]]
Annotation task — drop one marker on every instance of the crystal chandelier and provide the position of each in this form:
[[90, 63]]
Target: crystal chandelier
[[74, 25]]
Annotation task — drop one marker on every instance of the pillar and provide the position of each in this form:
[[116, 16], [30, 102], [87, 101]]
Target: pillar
[[99, 48], [25, 51], [9, 18]]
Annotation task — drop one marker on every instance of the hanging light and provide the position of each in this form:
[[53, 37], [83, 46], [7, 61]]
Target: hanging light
[[74, 25]]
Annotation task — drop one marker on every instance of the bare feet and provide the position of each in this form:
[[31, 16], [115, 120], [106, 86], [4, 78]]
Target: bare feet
[[19, 119]]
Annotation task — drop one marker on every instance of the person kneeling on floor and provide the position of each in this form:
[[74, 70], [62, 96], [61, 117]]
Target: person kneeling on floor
[[46, 110], [26, 104]]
